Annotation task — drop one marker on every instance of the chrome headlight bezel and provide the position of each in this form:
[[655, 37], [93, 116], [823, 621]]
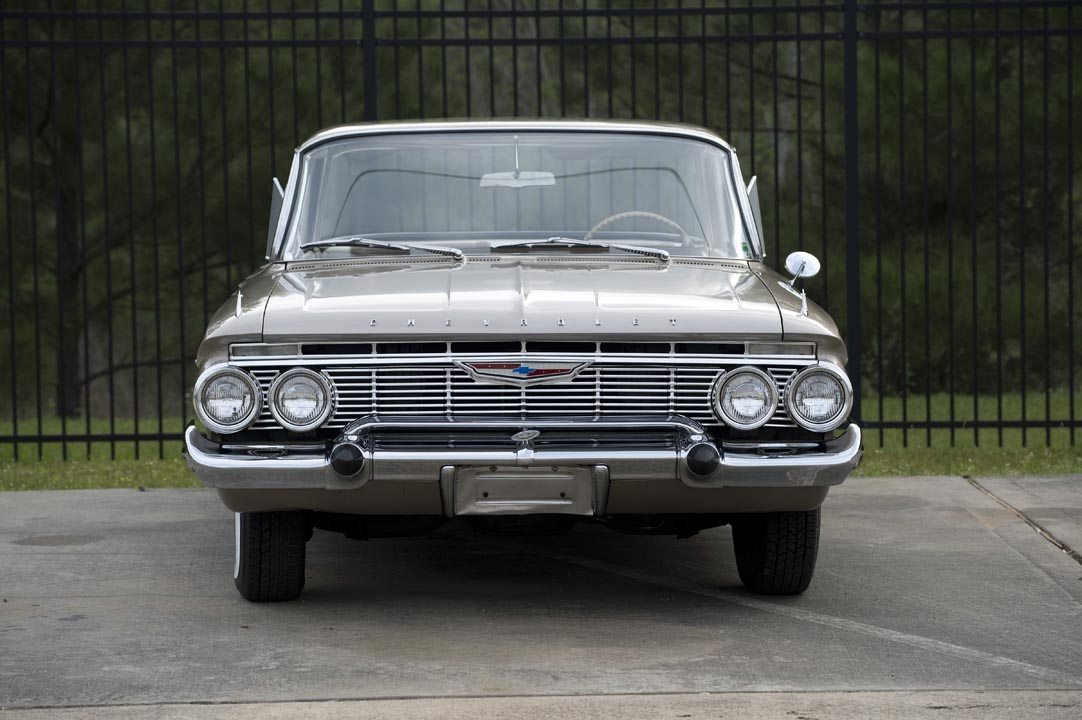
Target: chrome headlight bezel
[[833, 371], [729, 376], [328, 392], [213, 373]]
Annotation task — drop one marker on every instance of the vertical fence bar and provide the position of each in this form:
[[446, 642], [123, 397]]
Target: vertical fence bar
[[728, 73], [852, 205], [654, 44], [950, 224], [83, 252], [492, 62], [608, 53], [223, 102], [1044, 233], [270, 90], [751, 94], [878, 236], [1022, 213], [999, 246], [178, 195], [586, 63], [903, 304], [154, 231], [537, 58], [293, 70], [466, 51], [777, 138], [107, 238], [32, 209], [973, 231], [1072, 359], [561, 40], [12, 312], [704, 86], [130, 198], [61, 257], [799, 84], [316, 22], [200, 136], [823, 148], [926, 222]]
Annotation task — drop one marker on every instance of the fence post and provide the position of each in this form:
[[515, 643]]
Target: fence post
[[371, 77], [852, 206]]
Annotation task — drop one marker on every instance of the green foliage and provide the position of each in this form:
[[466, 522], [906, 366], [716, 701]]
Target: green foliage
[[136, 165]]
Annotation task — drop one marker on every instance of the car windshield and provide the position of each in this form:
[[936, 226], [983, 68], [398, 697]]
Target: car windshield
[[484, 192]]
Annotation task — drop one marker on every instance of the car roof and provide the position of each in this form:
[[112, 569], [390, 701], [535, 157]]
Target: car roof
[[340, 132]]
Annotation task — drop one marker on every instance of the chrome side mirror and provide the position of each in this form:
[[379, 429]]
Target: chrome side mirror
[[801, 265], [277, 197]]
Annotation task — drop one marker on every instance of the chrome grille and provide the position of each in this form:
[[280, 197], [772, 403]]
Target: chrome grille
[[447, 391]]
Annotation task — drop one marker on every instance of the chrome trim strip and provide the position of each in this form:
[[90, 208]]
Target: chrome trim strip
[[661, 359], [341, 132], [806, 349], [829, 464]]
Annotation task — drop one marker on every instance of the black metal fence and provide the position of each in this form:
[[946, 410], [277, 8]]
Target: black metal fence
[[924, 150]]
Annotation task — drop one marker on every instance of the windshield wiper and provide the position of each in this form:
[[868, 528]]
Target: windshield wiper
[[357, 241], [568, 243]]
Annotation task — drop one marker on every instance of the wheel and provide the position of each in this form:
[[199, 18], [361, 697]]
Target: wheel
[[775, 552], [269, 557]]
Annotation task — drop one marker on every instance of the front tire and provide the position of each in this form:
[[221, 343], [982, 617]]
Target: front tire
[[775, 552], [269, 554]]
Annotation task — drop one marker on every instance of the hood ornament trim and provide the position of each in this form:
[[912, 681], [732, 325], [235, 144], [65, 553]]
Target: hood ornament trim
[[522, 373]]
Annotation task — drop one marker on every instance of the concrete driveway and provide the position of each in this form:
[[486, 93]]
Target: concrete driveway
[[932, 595]]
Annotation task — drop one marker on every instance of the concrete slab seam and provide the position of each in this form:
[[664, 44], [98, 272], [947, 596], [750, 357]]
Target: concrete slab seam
[[1071, 552], [917, 641]]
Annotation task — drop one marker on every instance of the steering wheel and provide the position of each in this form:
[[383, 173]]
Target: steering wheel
[[637, 213]]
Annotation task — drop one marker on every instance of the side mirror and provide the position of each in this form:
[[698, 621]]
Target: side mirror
[[801, 265], [753, 198], [277, 198]]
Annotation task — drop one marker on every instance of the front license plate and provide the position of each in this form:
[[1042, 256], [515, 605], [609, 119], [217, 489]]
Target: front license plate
[[523, 491]]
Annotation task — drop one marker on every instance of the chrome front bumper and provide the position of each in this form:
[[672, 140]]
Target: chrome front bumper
[[625, 448]]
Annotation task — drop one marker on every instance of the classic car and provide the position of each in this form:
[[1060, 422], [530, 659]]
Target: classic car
[[521, 325]]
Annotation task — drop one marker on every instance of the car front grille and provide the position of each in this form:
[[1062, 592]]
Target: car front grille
[[449, 391]]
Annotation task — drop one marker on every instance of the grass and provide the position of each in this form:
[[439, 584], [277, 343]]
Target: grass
[[965, 451], [83, 474]]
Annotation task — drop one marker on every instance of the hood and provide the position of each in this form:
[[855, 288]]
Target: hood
[[552, 297]]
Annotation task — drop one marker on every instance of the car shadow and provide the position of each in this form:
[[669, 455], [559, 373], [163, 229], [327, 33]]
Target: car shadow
[[587, 568]]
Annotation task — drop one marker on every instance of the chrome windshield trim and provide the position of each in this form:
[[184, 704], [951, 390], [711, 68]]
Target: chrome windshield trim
[[442, 126]]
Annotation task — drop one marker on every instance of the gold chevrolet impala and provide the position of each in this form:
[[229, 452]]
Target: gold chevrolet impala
[[521, 325]]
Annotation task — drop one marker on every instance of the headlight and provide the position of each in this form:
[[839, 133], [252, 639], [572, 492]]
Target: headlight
[[819, 398], [227, 400], [301, 399], [746, 398]]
